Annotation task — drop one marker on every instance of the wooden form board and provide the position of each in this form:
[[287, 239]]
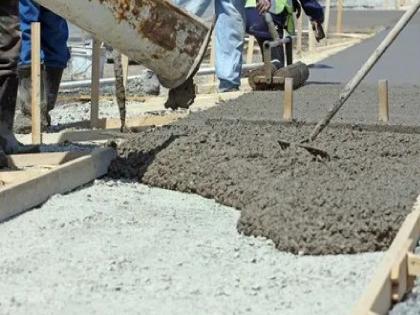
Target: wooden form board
[[395, 275], [155, 115], [57, 173], [109, 128]]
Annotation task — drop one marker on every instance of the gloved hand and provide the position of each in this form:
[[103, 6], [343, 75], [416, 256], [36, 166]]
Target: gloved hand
[[318, 30], [263, 6], [297, 8]]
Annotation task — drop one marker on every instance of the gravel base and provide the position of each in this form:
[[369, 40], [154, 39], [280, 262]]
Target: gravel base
[[124, 248], [75, 112]]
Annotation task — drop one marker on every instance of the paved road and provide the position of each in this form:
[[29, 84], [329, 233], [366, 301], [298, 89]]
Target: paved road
[[400, 64]]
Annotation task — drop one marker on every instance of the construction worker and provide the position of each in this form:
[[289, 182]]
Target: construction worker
[[230, 31], [54, 56], [282, 14], [9, 56]]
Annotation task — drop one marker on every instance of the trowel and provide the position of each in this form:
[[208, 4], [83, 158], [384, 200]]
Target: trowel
[[353, 84]]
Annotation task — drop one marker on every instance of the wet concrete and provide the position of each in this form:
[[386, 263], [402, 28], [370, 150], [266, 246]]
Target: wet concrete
[[313, 101], [353, 203]]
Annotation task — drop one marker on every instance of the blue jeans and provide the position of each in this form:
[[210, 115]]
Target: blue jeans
[[230, 31], [54, 35]]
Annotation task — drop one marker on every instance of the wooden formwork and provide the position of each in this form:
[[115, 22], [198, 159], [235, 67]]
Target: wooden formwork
[[155, 114], [30, 179], [395, 275]]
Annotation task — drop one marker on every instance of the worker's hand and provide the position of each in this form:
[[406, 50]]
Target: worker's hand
[[318, 30], [263, 6], [297, 8]]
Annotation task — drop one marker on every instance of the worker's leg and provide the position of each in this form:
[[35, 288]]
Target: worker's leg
[[230, 31], [183, 96], [54, 55], [29, 12], [9, 54], [54, 36], [256, 25]]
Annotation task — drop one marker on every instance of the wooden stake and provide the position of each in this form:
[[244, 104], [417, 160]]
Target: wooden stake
[[288, 100], [125, 62], [94, 93], [36, 82], [327, 17], [383, 115], [250, 51], [299, 35], [413, 265], [311, 36], [340, 9], [213, 54]]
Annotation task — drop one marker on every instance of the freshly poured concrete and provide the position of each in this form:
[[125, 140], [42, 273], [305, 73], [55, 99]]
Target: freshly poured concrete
[[353, 203]]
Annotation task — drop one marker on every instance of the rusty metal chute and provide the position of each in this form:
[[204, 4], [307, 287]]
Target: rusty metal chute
[[163, 37]]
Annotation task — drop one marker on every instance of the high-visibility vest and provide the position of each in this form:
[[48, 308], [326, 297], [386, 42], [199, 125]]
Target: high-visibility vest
[[277, 7]]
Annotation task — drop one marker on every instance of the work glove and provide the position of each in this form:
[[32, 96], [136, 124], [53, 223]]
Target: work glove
[[318, 30], [263, 6], [297, 8]]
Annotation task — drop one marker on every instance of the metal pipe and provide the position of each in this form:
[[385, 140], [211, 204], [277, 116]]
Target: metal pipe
[[110, 81]]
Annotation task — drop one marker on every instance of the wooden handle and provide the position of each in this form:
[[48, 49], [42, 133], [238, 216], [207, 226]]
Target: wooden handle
[[36, 82]]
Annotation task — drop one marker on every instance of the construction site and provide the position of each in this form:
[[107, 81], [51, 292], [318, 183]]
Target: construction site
[[154, 191]]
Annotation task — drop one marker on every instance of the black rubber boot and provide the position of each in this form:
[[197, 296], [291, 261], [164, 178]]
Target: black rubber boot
[[52, 80], [8, 88], [23, 120]]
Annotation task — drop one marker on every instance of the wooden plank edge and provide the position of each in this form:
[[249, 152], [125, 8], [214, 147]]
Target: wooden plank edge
[[11, 177], [45, 158], [107, 125], [377, 299], [16, 199]]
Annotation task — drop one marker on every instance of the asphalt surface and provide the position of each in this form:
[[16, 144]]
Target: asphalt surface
[[400, 64]]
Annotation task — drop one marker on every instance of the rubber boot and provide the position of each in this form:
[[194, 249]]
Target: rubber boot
[[8, 88], [52, 80], [8, 142], [23, 120]]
